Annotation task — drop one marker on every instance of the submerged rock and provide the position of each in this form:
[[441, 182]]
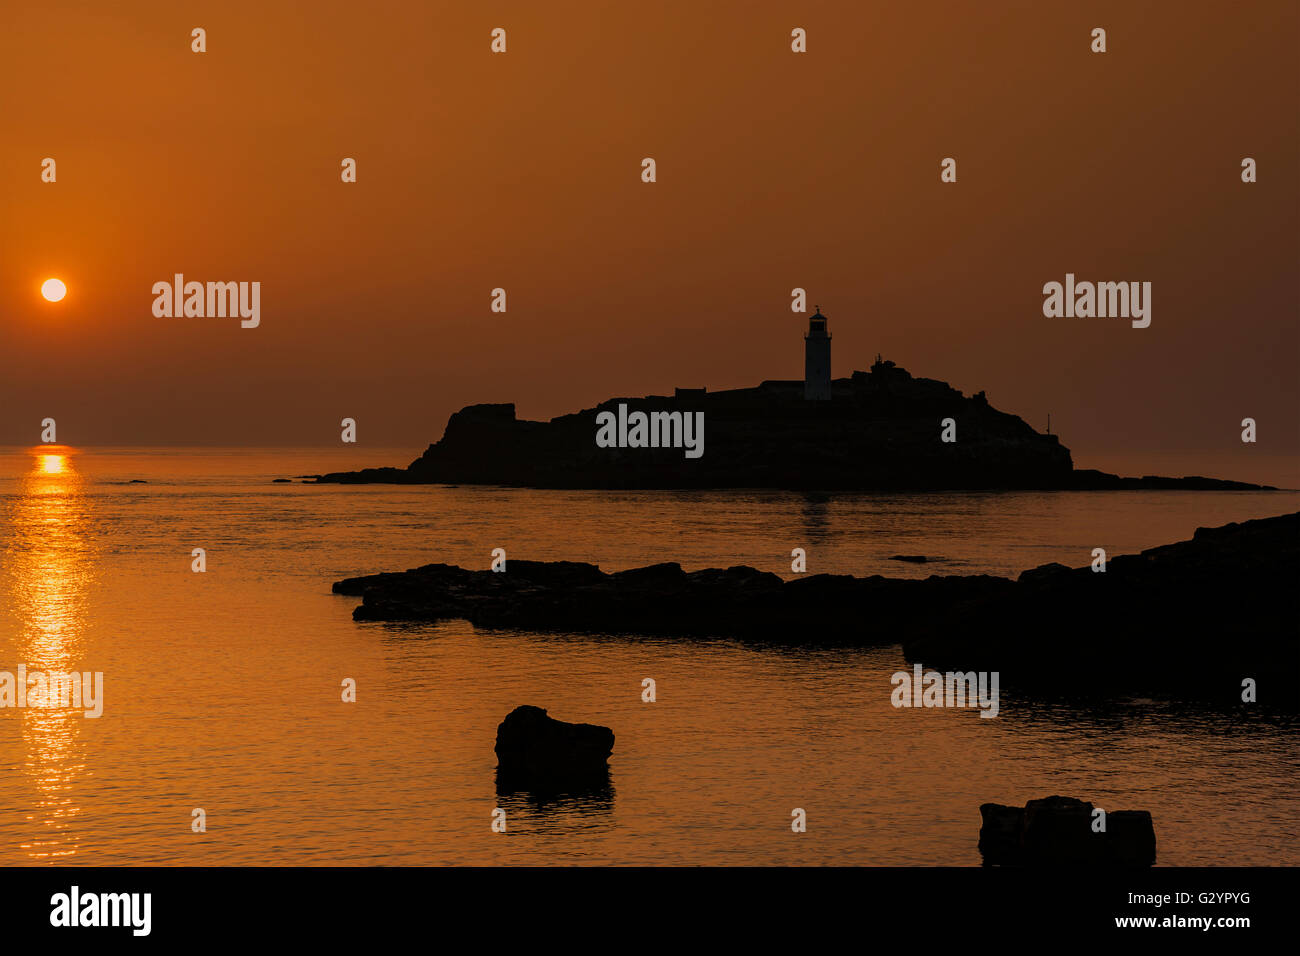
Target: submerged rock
[[535, 748], [1059, 830]]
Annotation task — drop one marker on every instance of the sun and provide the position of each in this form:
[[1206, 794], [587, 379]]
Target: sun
[[54, 289]]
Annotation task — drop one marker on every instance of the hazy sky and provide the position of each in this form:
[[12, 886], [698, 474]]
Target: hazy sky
[[775, 170]]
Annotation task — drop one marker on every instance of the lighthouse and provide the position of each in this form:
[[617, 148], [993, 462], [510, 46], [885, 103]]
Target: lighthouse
[[817, 360]]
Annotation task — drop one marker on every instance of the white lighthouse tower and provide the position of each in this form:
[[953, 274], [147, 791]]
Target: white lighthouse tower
[[817, 359]]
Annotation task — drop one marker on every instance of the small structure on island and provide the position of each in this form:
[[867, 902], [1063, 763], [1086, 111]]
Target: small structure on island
[[817, 359]]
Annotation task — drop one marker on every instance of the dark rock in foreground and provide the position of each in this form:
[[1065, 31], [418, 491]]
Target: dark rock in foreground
[[536, 749], [1197, 616], [1059, 830], [1200, 615]]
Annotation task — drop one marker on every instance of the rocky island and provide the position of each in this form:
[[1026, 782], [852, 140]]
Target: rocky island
[[1200, 616], [878, 430]]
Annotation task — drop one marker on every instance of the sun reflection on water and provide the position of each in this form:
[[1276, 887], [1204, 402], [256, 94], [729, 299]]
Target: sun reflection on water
[[53, 464], [47, 572]]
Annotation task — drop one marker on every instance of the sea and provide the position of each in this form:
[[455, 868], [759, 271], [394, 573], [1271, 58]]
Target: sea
[[226, 739]]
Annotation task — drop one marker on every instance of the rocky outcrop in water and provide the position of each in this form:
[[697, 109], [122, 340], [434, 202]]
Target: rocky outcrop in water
[[1089, 479], [536, 750], [1201, 616], [1062, 831], [662, 599]]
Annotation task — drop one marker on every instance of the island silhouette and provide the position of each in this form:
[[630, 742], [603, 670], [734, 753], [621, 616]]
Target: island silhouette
[[879, 430]]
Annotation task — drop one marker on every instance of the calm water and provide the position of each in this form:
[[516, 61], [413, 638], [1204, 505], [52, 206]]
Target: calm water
[[223, 688]]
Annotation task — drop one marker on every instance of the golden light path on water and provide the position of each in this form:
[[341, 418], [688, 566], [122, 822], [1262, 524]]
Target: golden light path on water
[[48, 568]]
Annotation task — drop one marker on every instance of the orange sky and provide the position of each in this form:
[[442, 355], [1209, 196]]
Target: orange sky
[[775, 170]]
